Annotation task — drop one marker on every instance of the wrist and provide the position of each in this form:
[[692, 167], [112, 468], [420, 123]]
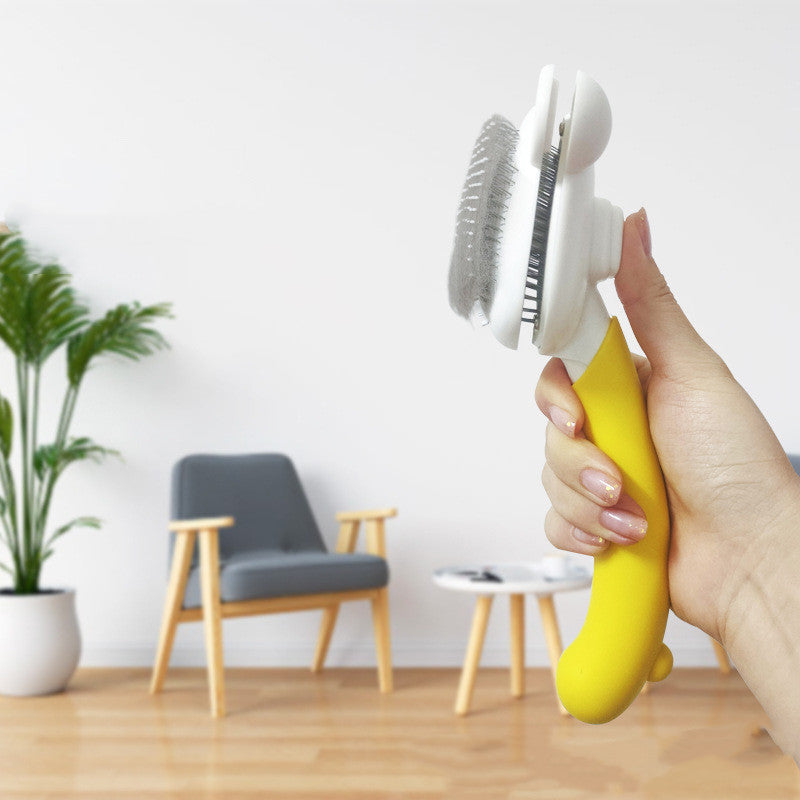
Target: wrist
[[768, 554], [758, 621]]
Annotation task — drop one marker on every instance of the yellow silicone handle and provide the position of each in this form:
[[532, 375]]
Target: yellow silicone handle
[[620, 645]]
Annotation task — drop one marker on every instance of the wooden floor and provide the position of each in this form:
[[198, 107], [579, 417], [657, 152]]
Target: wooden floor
[[290, 734]]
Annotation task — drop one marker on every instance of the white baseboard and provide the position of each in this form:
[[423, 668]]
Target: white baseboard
[[362, 654]]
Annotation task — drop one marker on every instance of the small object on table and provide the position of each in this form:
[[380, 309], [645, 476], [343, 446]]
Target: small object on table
[[515, 580], [555, 566], [486, 575]]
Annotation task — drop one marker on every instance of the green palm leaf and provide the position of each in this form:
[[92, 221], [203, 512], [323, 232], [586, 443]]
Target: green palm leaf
[[78, 522], [54, 314], [14, 283], [6, 426], [51, 458], [124, 330], [38, 307]]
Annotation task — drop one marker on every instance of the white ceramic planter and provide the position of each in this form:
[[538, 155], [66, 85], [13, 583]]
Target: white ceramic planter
[[40, 642]]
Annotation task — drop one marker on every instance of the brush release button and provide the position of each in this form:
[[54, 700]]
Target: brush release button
[[607, 222]]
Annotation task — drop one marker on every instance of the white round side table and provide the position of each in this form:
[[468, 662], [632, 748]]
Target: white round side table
[[515, 580]]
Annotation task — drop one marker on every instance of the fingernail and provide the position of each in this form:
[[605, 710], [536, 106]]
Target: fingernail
[[631, 526], [587, 538], [564, 421], [643, 226], [602, 486]]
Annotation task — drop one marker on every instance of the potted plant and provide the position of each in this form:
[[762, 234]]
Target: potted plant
[[39, 316]]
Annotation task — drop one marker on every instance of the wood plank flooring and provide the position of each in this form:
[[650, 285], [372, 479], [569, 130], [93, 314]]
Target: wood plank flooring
[[332, 736]]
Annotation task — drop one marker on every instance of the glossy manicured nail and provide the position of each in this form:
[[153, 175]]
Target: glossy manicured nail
[[602, 486], [563, 420], [587, 538], [630, 526], [643, 226]]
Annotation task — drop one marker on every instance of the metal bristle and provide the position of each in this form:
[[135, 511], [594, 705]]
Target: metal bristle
[[532, 304], [479, 223]]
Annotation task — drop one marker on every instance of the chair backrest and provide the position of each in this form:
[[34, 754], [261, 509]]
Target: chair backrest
[[795, 459], [261, 491]]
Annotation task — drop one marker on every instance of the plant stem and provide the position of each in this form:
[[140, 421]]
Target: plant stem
[[11, 494], [24, 432], [46, 487], [67, 404], [9, 517], [31, 470]]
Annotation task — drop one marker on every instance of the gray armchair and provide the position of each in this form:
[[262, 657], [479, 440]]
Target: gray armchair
[[261, 552]]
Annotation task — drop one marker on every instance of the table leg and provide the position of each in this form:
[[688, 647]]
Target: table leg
[[517, 602], [473, 657], [552, 636]]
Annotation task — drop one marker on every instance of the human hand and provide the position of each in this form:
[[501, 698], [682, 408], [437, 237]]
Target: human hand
[[732, 492]]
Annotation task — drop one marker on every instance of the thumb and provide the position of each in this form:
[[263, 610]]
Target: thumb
[[660, 326]]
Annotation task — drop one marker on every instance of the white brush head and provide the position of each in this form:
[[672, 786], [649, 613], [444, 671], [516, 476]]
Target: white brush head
[[535, 135], [551, 239]]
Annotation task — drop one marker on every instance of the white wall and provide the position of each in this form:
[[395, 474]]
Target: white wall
[[288, 175]]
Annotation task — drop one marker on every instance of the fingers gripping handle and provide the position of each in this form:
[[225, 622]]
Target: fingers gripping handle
[[620, 645]]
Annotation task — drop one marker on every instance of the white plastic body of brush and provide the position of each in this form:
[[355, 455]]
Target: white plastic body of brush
[[585, 233]]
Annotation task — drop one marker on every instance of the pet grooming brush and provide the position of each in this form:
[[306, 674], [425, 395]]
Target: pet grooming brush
[[532, 242]]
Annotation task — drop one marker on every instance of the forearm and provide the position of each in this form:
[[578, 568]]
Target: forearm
[[762, 629]]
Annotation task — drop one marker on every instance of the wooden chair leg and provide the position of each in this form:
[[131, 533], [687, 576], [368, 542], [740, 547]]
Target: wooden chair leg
[[552, 636], [383, 640], [179, 573], [467, 683], [329, 616], [517, 602], [212, 619], [722, 657]]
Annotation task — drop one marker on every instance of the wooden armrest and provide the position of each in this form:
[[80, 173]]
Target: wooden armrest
[[357, 516], [201, 524]]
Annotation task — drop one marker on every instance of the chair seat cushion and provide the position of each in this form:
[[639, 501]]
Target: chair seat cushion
[[259, 574]]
